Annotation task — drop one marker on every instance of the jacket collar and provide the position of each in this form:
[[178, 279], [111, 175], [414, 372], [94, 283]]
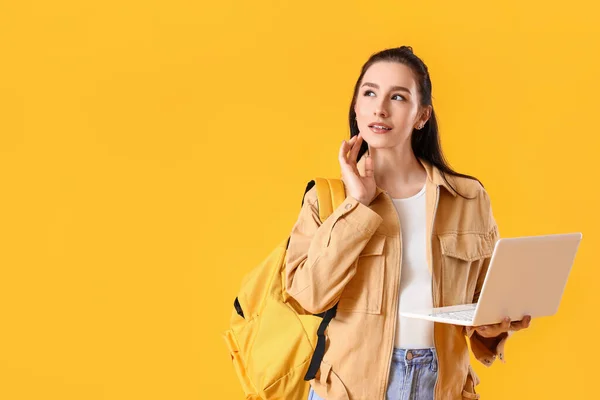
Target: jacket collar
[[434, 175]]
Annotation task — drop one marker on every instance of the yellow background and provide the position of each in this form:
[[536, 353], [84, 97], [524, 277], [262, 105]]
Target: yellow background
[[152, 153]]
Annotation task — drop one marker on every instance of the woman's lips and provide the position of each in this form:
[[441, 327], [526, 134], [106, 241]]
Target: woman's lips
[[378, 130]]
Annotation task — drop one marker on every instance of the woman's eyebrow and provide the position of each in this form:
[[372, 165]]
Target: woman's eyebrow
[[376, 86]]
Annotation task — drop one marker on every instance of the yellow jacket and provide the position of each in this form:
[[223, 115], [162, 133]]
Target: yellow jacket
[[354, 257]]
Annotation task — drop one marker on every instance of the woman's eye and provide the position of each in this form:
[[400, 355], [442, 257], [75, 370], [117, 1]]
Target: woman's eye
[[370, 92]]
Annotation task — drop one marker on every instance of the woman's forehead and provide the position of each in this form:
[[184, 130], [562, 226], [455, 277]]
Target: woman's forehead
[[387, 74]]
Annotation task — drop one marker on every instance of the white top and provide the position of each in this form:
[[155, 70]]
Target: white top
[[415, 279]]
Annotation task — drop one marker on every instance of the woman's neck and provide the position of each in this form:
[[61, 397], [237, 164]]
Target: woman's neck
[[398, 171]]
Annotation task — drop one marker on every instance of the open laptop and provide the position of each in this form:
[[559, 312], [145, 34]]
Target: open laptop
[[526, 276]]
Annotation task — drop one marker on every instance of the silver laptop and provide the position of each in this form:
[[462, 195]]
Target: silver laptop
[[526, 276]]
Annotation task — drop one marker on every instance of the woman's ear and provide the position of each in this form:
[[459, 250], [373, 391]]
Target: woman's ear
[[425, 115]]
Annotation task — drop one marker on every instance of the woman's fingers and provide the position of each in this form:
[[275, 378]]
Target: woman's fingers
[[355, 148], [485, 330], [346, 157], [493, 330], [505, 326], [523, 324], [369, 169], [344, 149], [347, 145]]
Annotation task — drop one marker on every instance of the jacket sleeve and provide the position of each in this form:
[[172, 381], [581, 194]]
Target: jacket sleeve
[[487, 349], [321, 257]]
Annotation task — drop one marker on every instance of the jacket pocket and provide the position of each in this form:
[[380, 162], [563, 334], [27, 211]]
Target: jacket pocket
[[335, 388], [364, 292], [467, 247], [469, 388], [463, 255]]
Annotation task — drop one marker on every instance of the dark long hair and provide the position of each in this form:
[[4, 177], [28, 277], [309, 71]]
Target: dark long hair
[[425, 143]]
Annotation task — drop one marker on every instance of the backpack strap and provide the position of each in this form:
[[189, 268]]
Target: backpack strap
[[330, 194], [319, 352]]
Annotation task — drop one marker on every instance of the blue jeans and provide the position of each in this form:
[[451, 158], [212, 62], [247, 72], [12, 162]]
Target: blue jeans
[[413, 374]]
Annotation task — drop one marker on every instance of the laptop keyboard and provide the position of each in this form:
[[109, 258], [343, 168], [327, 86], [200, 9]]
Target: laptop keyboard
[[463, 315]]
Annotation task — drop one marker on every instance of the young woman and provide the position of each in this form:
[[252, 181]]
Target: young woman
[[412, 233]]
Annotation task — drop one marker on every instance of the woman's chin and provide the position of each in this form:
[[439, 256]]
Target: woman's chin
[[378, 141]]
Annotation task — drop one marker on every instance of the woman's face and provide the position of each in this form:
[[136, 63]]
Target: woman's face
[[388, 95]]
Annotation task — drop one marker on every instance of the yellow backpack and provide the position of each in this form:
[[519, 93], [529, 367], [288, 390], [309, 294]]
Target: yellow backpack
[[275, 345]]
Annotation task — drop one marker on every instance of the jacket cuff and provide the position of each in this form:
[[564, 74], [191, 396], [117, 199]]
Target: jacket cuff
[[482, 350], [360, 215]]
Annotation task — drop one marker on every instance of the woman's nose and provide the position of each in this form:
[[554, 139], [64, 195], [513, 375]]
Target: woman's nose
[[380, 111], [380, 108]]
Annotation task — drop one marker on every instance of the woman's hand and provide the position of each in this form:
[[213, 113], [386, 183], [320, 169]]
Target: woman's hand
[[490, 331], [362, 188]]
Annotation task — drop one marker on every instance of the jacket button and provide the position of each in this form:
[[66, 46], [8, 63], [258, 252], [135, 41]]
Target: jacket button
[[348, 206], [409, 355]]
